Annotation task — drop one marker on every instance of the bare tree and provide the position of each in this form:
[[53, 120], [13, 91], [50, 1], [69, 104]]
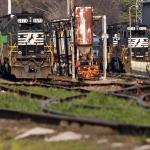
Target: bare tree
[[56, 9]]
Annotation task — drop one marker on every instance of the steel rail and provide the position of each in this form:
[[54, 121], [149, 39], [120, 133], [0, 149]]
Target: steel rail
[[71, 84], [56, 119], [42, 97], [137, 93]]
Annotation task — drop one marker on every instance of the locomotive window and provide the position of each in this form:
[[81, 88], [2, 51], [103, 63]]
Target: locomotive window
[[22, 20], [138, 33], [33, 26], [37, 20]]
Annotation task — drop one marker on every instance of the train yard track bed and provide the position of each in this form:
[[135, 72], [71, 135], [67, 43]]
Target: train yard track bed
[[117, 107], [107, 108], [50, 91], [99, 137]]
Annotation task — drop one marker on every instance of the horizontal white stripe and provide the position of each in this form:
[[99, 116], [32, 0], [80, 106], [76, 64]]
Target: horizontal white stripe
[[34, 40], [30, 44], [25, 38], [20, 33]]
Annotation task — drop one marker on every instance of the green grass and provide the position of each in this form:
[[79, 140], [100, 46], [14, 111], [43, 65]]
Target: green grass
[[38, 144], [52, 92], [14, 101], [127, 112]]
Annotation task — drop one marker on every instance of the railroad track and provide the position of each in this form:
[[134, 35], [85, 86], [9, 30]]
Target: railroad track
[[55, 117], [69, 84], [131, 77], [39, 96], [139, 93]]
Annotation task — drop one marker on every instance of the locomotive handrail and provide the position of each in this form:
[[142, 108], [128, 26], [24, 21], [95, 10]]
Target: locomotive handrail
[[50, 48], [10, 52]]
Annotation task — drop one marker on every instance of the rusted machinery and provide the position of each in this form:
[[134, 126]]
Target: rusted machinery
[[88, 72], [84, 41]]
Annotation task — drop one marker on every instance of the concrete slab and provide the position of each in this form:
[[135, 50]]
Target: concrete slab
[[144, 147], [117, 145], [64, 136], [102, 141], [148, 140], [35, 132], [2, 91]]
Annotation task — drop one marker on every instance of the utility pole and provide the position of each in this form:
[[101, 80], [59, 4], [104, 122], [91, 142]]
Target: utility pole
[[138, 20], [138, 11], [104, 37], [70, 12], [130, 32], [9, 7]]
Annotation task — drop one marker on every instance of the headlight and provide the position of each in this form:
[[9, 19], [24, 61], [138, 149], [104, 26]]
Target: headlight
[[146, 53], [42, 52], [20, 52]]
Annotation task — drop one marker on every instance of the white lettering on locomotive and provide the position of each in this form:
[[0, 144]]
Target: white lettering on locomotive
[[137, 42], [31, 38], [116, 38]]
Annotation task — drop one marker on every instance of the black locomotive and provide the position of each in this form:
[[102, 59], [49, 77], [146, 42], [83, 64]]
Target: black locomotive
[[129, 45], [26, 47]]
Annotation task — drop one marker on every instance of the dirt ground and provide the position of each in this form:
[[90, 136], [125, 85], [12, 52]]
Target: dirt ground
[[105, 138], [103, 88]]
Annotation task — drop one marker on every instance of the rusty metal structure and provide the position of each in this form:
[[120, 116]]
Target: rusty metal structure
[[61, 37], [84, 42]]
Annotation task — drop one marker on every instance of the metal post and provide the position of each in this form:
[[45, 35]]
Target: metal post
[[9, 7], [104, 36], [136, 14], [130, 34], [66, 51], [1, 49], [130, 24], [58, 50], [68, 8], [72, 39]]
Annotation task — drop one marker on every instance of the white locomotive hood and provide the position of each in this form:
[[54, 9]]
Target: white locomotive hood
[[31, 38]]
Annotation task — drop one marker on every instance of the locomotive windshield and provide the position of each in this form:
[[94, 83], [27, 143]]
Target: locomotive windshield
[[138, 33], [30, 24], [33, 26]]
